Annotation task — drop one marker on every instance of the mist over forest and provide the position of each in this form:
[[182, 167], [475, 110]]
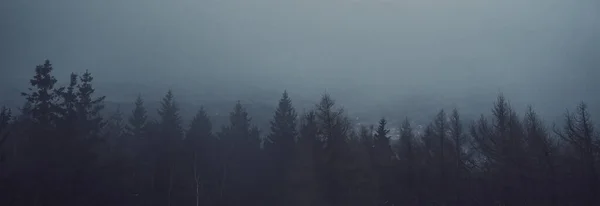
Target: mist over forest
[[194, 79], [372, 55]]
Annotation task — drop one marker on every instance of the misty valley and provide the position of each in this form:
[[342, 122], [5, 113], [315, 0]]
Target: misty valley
[[299, 103]]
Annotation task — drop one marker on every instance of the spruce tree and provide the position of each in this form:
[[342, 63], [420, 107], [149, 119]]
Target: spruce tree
[[382, 158], [201, 152], [167, 147], [139, 143], [381, 143], [42, 97], [88, 107], [138, 119], [381, 134], [334, 151], [283, 125], [240, 151], [279, 146], [342, 170], [42, 110], [200, 128], [239, 122], [170, 119]]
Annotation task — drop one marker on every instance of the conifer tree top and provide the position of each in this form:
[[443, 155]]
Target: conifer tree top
[[382, 132]]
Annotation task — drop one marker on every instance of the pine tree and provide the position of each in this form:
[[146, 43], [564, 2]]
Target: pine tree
[[138, 118], [42, 97], [88, 107], [139, 146], [283, 125], [239, 122], [167, 147], [333, 133], [279, 146], [170, 120], [202, 151], [200, 128], [42, 111], [381, 135], [56, 160], [344, 173], [334, 128], [240, 152], [382, 158]]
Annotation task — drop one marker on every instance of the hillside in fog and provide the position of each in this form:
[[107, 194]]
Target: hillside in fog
[[299, 102]]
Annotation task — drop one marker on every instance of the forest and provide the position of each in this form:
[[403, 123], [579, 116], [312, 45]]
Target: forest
[[62, 148]]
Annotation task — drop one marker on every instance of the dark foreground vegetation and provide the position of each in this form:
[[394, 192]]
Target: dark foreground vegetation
[[59, 150]]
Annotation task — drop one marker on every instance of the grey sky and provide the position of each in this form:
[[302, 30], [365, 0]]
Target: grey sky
[[535, 51]]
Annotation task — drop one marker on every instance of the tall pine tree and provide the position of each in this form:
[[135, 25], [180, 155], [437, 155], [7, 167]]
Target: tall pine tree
[[42, 97], [382, 159], [240, 147], [167, 147], [89, 107], [279, 147], [202, 160], [138, 118]]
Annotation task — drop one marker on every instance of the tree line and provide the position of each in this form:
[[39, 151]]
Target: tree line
[[59, 149]]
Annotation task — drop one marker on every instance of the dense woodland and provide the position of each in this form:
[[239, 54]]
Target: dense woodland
[[59, 149]]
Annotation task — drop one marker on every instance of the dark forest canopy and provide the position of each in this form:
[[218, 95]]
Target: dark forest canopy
[[59, 149]]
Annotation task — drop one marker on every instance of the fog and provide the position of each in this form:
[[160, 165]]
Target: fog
[[366, 53]]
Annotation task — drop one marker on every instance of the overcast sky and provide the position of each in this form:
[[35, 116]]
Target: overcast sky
[[535, 51]]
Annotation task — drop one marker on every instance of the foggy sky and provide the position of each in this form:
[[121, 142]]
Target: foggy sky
[[543, 52]]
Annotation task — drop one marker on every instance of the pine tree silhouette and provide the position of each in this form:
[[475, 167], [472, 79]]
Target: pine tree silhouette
[[279, 147]]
